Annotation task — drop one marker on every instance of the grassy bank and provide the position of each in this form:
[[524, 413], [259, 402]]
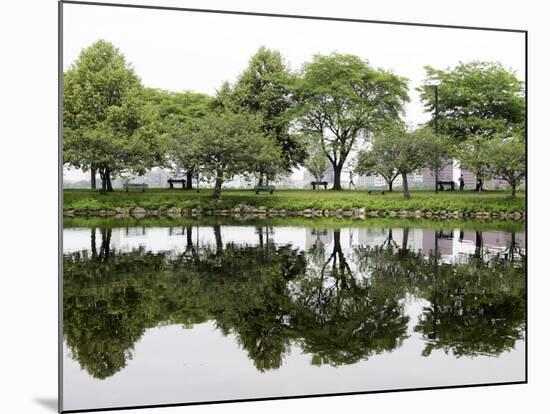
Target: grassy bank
[[467, 201]]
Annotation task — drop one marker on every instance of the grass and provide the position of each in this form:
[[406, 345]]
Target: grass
[[467, 201], [318, 223]]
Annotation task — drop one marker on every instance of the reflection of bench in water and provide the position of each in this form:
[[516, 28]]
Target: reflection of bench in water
[[442, 184], [318, 184], [444, 234], [172, 181], [268, 188], [127, 186], [134, 231]]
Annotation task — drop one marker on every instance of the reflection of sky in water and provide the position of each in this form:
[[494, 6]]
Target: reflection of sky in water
[[159, 239], [171, 364]]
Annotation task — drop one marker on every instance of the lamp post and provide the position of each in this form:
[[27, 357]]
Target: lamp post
[[436, 126]]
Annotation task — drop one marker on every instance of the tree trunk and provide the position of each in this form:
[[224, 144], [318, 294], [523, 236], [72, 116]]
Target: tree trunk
[[217, 187], [478, 244], [103, 186], [189, 180], [390, 186], [260, 232], [109, 184], [105, 249], [104, 174], [93, 243], [261, 180], [514, 190], [436, 180], [337, 173], [406, 193], [404, 241], [218, 238], [189, 236], [93, 171]]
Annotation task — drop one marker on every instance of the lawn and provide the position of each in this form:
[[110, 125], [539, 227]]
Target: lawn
[[467, 201]]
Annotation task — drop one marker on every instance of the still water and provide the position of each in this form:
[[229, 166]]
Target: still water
[[202, 312]]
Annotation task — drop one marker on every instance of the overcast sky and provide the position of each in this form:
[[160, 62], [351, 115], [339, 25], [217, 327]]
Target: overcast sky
[[195, 51]]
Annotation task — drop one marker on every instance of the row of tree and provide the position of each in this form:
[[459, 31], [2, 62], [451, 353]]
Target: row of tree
[[272, 119]]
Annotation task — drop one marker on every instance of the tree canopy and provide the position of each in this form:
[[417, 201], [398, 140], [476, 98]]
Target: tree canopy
[[341, 99], [176, 110], [108, 124], [224, 144], [262, 88], [477, 98]]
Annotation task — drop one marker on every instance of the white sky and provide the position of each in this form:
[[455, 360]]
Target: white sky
[[194, 51]]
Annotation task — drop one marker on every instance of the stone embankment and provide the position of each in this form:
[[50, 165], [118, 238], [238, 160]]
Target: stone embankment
[[244, 210]]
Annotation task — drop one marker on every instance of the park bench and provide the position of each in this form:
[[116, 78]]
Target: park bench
[[442, 184], [372, 192], [268, 188], [172, 181], [127, 186], [318, 184]]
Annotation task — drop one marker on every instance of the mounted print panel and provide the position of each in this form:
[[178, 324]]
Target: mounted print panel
[[266, 206]]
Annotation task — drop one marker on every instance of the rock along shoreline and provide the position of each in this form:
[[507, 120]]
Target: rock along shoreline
[[249, 211]]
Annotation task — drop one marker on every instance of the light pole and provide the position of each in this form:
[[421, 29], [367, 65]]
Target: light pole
[[436, 126]]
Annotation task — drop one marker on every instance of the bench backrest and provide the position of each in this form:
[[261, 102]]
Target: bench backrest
[[135, 185]]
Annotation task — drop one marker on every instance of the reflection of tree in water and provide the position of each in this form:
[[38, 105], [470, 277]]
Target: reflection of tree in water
[[108, 301], [245, 290], [340, 306], [340, 316], [477, 307]]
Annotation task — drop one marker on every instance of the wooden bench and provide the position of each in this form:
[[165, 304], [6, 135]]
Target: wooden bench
[[268, 188], [442, 184], [318, 184], [127, 186], [172, 181]]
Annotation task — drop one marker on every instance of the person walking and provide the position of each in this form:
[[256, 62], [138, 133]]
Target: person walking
[[461, 182], [351, 183]]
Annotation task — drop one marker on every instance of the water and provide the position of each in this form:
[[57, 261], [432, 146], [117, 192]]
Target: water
[[209, 311]]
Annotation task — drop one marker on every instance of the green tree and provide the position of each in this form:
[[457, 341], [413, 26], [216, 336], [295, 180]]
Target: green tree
[[108, 125], [378, 160], [477, 98], [316, 161], [343, 99], [226, 143], [474, 154], [177, 109], [508, 160], [394, 151], [262, 88], [438, 151]]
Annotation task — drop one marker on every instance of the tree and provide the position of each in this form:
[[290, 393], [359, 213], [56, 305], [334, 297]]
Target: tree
[[477, 98], [262, 88], [316, 162], [225, 143], [379, 160], [343, 99], [438, 152], [508, 161], [394, 151], [474, 154], [176, 109], [108, 126]]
